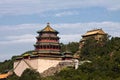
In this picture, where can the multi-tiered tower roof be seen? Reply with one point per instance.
(46, 46)
(48, 42)
(46, 56)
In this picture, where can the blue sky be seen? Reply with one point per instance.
(20, 19)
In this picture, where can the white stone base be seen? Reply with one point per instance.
(38, 64)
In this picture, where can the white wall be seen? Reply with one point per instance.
(22, 65)
(38, 64)
(44, 64)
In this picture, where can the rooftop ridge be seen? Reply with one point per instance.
(94, 30)
(48, 28)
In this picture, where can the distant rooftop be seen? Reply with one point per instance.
(94, 31)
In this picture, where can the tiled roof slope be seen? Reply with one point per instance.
(92, 32)
(48, 29)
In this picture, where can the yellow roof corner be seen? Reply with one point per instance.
(3, 76)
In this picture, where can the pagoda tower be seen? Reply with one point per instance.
(46, 56)
(47, 44)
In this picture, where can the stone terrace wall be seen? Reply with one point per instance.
(52, 70)
(45, 67)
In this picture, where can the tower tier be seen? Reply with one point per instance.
(47, 42)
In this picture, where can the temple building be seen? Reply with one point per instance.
(97, 34)
(47, 54)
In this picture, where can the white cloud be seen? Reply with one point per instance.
(5, 57)
(16, 44)
(112, 28)
(70, 38)
(27, 38)
(18, 7)
(66, 13)
(68, 31)
(19, 27)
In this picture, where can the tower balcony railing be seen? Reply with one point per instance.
(48, 49)
(48, 41)
(39, 37)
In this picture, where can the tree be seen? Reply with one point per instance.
(29, 74)
(71, 46)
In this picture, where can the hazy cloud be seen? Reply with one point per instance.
(19, 43)
(18, 27)
(22, 7)
(68, 31)
(27, 38)
(70, 38)
(66, 13)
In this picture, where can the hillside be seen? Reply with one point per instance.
(105, 58)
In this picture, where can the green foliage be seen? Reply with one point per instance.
(13, 77)
(6, 66)
(104, 55)
(71, 46)
(29, 74)
(95, 49)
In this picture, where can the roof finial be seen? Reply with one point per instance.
(48, 23)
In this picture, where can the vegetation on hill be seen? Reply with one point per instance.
(71, 46)
(29, 74)
(105, 62)
(6, 65)
(104, 55)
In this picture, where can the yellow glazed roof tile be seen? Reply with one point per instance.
(2, 76)
(96, 31)
(48, 29)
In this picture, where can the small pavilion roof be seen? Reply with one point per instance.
(48, 29)
(67, 52)
(95, 31)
